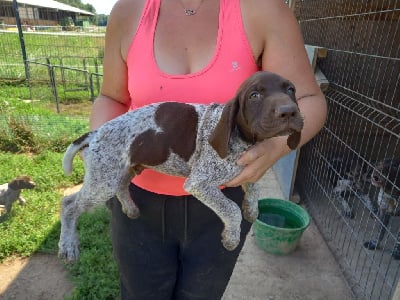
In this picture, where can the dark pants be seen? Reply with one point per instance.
(173, 250)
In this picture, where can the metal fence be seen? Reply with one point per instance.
(349, 175)
(52, 59)
(50, 48)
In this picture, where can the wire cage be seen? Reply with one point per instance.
(349, 174)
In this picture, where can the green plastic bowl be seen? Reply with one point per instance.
(280, 225)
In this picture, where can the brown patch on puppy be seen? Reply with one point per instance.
(79, 140)
(178, 122)
(22, 182)
(294, 140)
(219, 138)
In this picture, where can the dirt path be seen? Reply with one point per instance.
(41, 277)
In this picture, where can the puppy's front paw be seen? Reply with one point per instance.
(250, 204)
(349, 214)
(371, 245)
(250, 214)
(230, 239)
(396, 252)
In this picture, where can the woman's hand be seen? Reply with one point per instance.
(258, 159)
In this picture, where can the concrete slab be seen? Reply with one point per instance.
(309, 273)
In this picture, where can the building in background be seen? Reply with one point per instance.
(42, 13)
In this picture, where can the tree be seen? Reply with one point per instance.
(79, 4)
(102, 20)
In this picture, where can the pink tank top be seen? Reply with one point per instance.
(218, 82)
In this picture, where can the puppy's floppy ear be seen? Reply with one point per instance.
(219, 138)
(294, 139)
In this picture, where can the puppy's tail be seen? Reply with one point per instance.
(73, 149)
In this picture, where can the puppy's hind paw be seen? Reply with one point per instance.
(68, 253)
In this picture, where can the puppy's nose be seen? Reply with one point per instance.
(286, 111)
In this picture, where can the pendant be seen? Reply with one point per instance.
(189, 12)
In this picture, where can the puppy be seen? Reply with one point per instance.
(11, 192)
(386, 177)
(202, 144)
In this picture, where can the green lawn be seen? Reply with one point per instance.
(32, 140)
(80, 51)
(34, 132)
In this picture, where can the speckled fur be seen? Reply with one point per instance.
(109, 167)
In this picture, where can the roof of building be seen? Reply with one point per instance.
(54, 5)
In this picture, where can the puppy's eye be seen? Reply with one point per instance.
(254, 95)
(291, 90)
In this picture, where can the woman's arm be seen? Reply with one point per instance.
(283, 52)
(114, 98)
(105, 109)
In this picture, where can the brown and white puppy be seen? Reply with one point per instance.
(196, 141)
(354, 178)
(11, 191)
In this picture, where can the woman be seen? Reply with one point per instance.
(193, 51)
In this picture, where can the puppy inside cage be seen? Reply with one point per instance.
(386, 177)
(356, 182)
(354, 177)
(349, 174)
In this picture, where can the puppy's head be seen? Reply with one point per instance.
(22, 182)
(264, 107)
(386, 175)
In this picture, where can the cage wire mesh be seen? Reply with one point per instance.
(349, 174)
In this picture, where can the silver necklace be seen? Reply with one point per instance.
(191, 11)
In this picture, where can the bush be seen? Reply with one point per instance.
(18, 138)
(28, 128)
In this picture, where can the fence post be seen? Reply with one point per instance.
(53, 83)
(92, 96)
(21, 38)
(96, 66)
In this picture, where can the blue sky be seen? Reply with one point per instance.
(101, 6)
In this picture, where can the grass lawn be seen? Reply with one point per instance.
(80, 51)
(32, 141)
(33, 137)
